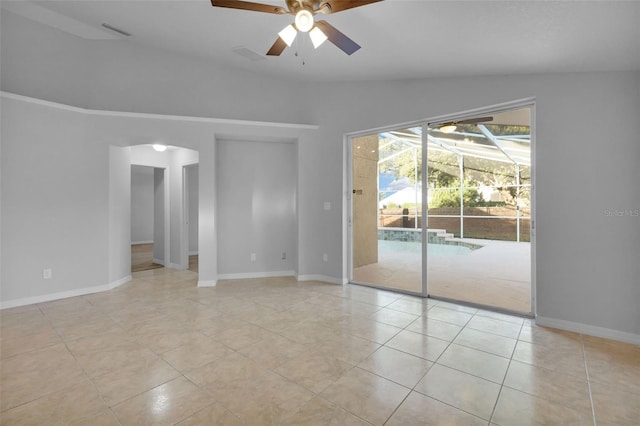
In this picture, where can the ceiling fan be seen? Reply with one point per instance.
(450, 126)
(304, 11)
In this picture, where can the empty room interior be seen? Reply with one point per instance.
(320, 212)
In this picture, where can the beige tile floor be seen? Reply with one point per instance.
(159, 350)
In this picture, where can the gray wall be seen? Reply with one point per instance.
(159, 216)
(586, 152)
(119, 229)
(44, 63)
(192, 188)
(101, 74)
(256, 187)
(141, 204)
(55, 203)
(586, 158)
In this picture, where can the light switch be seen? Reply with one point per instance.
(327, 205)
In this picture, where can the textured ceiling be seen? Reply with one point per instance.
(400, 39)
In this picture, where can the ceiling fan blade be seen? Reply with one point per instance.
(345, 44)
(475, 120)
(277, 48)
(247, 5)
(340, 5)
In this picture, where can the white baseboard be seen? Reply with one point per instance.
(257, 275)
(133, 243)
(175, 266)
(63, 294)
(590, 330)
(119, 282)
(210, 283)
(158, 261)
(324, 278)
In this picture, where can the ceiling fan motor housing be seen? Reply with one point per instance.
(297, 5)
(304, 12)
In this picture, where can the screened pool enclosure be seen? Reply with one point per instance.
(476, 174)
(478, 210)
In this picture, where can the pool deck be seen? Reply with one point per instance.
(498, 274)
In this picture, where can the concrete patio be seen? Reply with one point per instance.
(497, 274)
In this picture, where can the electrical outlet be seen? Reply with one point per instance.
(284, 256)
(253, 257)
(325, 257)
(47, 274)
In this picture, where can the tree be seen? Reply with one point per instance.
(450, 196)
(403, 165)
(444, 169)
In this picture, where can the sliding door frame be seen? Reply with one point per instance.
(348, 141)
(348, 185)
(495, 109)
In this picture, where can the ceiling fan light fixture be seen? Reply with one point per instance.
(288, 34)
(304, 12)
(317, 37)
(448, 128)
(304, 20)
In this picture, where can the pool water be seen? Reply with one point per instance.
(416, 248)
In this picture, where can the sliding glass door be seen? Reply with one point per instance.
(387, 210)
(479, 210)
(457, 228)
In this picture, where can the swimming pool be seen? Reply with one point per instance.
(416, 248)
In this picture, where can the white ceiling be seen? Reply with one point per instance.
(400, 39)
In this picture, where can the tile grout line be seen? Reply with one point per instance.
(399, 405)
(266, 303)
(413, 389)
(84, 372)
(493, 412)
(377, 349)
(451, 342)
(586, 369)
(315, 394)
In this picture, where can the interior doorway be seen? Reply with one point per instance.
(147, 218)
(458, 228)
